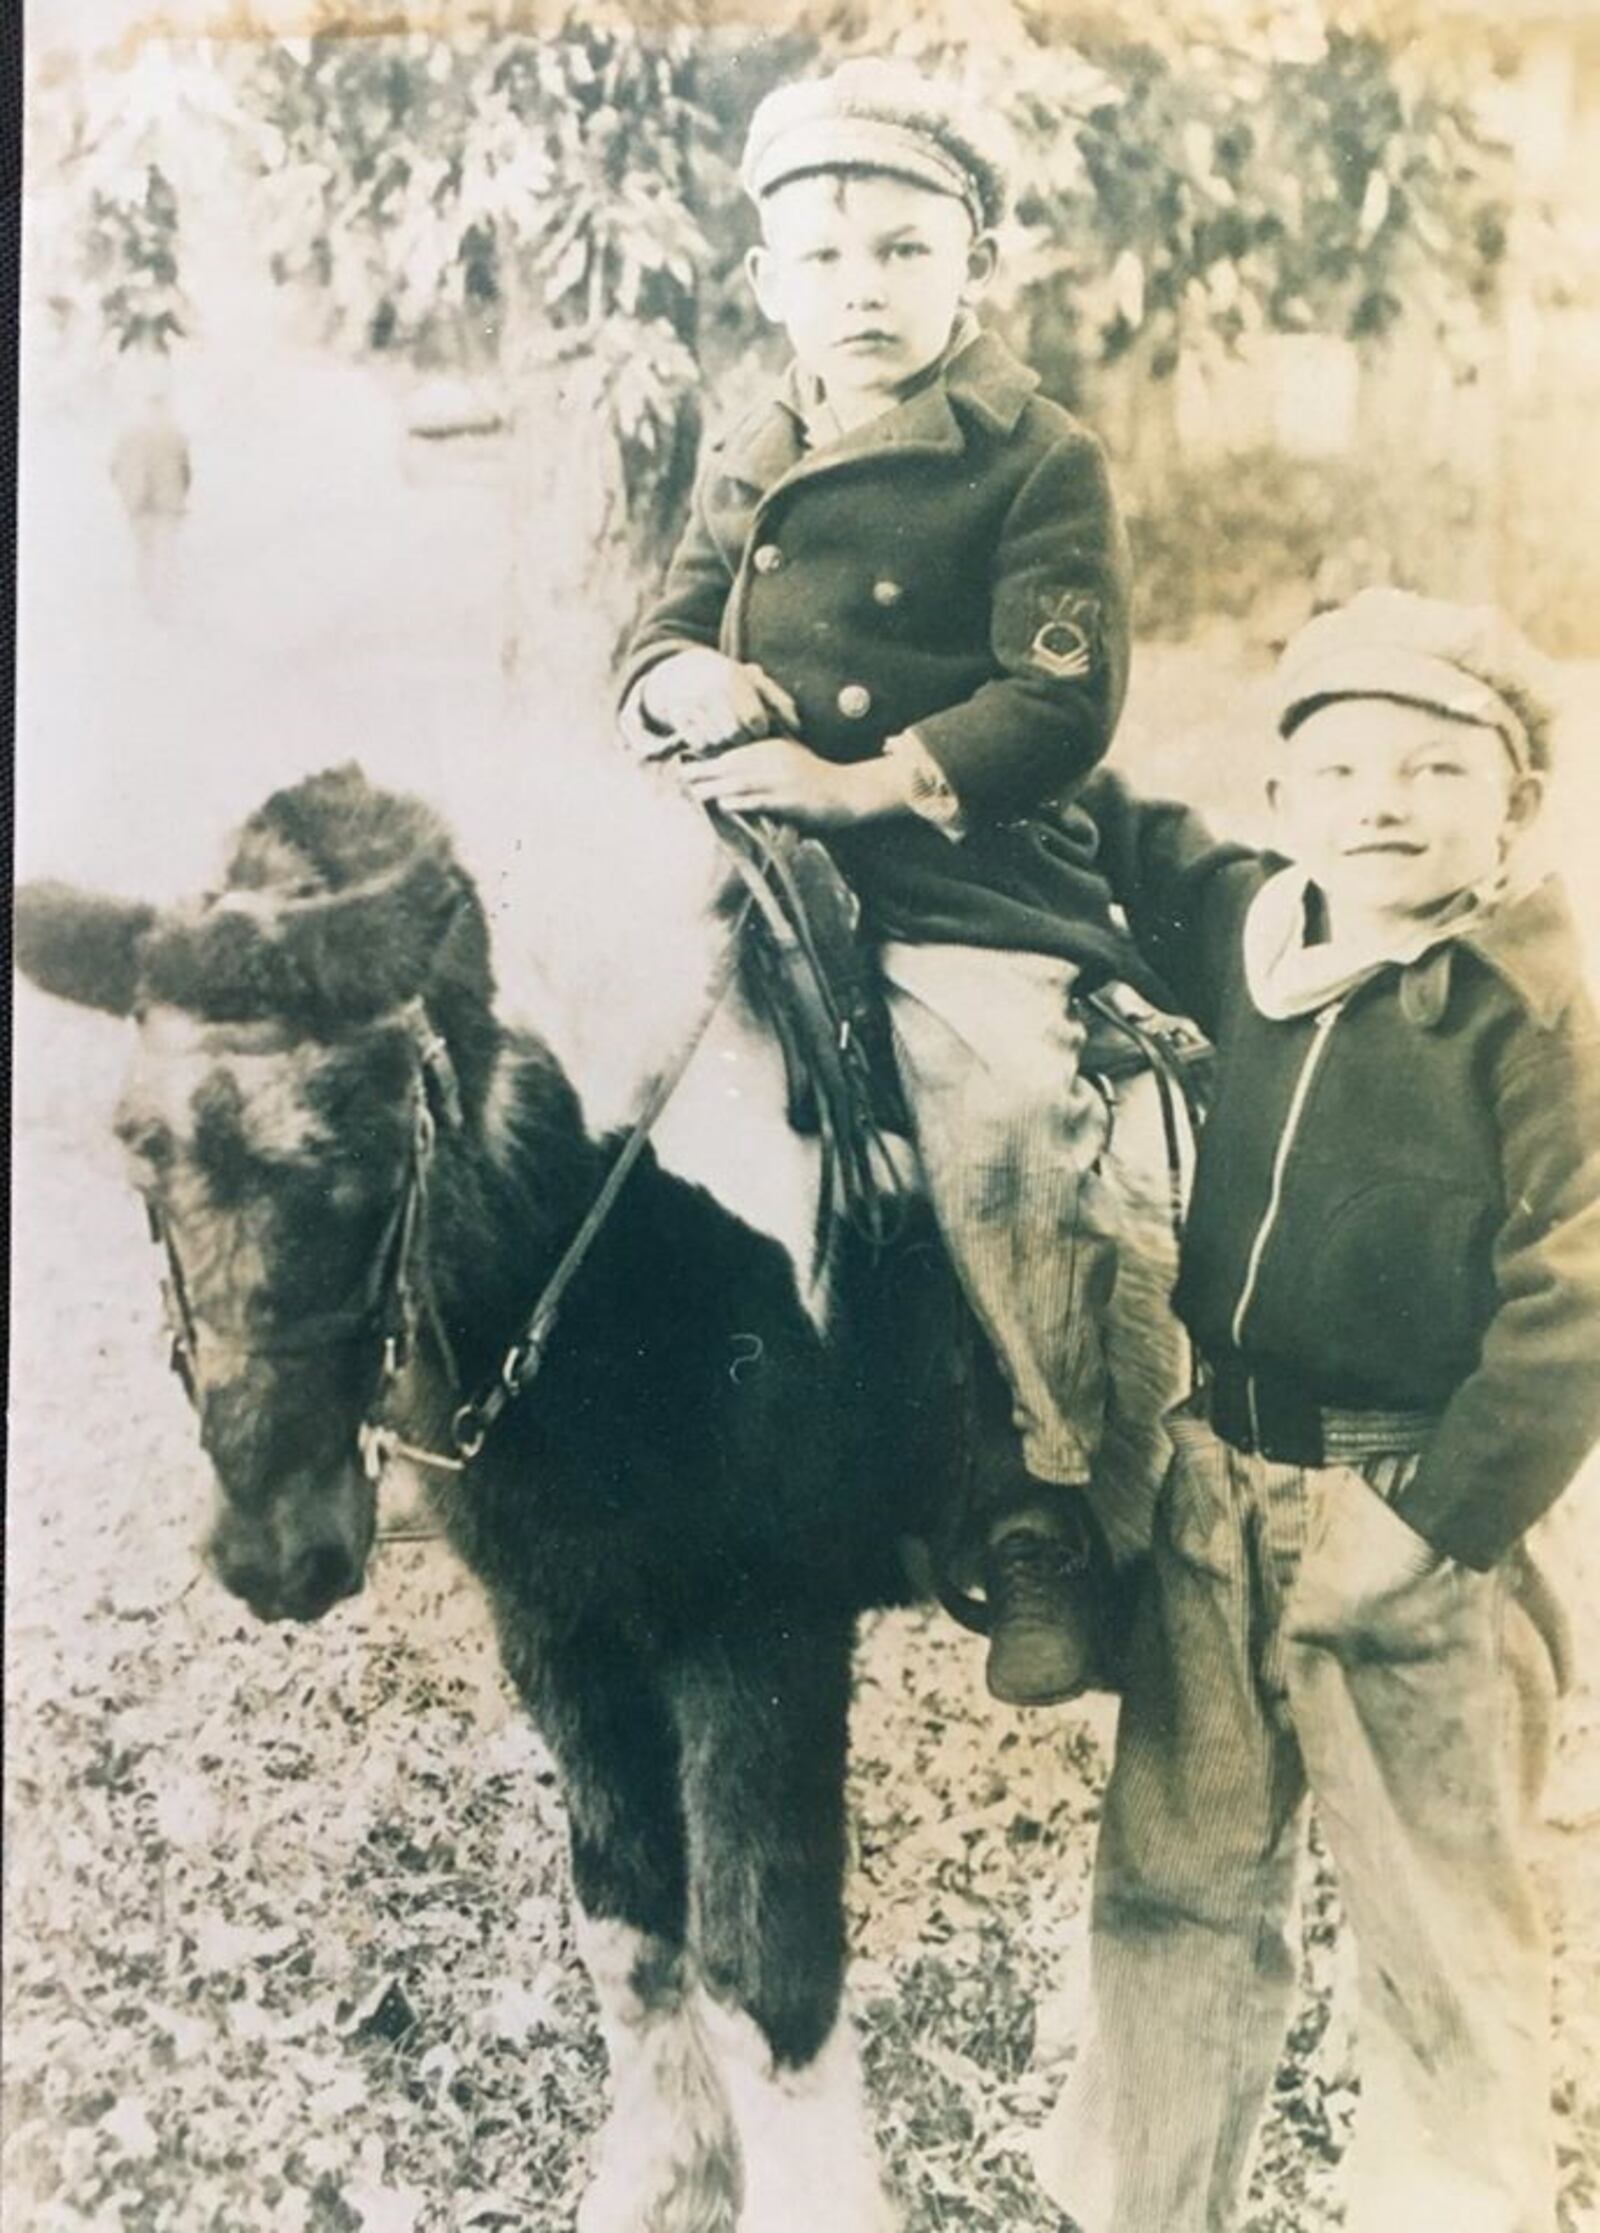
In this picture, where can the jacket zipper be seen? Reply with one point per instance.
(1326, 1019)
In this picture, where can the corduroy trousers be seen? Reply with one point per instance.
(1296, 1636)
(1054, 1202)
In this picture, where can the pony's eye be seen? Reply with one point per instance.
(147, 1140)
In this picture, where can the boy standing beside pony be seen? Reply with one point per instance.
(1391, 1275)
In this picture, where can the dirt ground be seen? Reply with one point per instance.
(286, 1939)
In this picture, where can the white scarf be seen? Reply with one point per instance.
(1289, 976)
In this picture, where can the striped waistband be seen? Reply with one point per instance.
(1266, 1414)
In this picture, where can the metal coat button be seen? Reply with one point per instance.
(854, 701)
(886, 592)
(766, 558)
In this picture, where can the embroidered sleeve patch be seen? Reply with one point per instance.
(1065, 646)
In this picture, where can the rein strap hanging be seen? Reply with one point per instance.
(520, 1365)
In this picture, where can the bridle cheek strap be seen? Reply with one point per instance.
(396, 1287)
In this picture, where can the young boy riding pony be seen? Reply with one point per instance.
(899, 618)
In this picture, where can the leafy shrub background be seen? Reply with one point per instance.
(1258, 534)
(546, 210)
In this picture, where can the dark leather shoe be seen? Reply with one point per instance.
(1046, 1618)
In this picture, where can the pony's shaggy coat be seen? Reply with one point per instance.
(676, 1526)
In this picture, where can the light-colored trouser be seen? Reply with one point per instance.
(1296, 1632)
(1056, 1216)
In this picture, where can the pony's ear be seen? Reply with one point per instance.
(79, 946)
(319, 962)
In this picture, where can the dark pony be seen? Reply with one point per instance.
(363, 1181)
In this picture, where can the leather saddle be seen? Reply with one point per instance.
(815, 982)
(812, 977)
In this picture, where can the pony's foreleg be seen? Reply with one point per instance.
(664, 2160)
(805, 2138)
(761, 1720)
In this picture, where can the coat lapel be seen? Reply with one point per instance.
(986, 380)
(753, 459)
(768, 451)
(762, 448)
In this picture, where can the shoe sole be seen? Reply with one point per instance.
(1062, 1697)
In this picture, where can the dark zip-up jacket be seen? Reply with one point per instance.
(957, 565)
(1397, 1200)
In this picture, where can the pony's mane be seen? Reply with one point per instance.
(330, 832)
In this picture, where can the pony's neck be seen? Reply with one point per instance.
(609, 933)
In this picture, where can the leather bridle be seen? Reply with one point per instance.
(395, 1293)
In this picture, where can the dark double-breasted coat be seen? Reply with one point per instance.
(956, 567)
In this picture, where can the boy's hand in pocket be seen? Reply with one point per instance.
(1362, 1559)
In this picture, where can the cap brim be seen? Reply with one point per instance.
(855, 143)
(1393, 671)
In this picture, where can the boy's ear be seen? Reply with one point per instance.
(983, 255)
(758, 270)
(1522, 807)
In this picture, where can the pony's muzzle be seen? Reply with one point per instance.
(298, 1559)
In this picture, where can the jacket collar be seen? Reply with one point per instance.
(1531, 943)
(985, 380)
(1289, 972)
(980, 380)
(1528, 939)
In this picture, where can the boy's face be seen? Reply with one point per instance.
(867, 273)
(1392, 809)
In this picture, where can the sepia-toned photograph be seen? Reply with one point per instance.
(804, 1410)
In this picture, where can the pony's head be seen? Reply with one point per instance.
(302, 1035)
